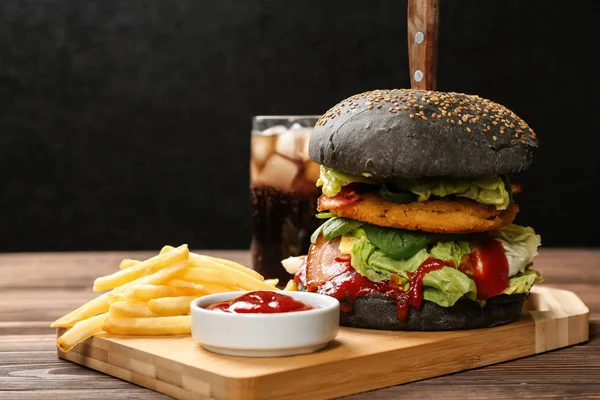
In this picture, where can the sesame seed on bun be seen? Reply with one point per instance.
(416, 133)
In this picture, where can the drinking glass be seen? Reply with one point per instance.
(283, 191)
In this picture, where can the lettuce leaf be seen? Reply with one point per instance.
(523, 282)
(520, 246)
(451, 251)
(373, 263)
(443, 287)
(332, 181)
(335, 227)
(397, 243)
(485, 190)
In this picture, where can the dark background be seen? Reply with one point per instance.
(124, 124)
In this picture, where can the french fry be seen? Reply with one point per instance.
(156, 278)
(153, 296)
(147, 292)
(234, 265)
(166, 249)
(127, 262)
(101, 303)
(238, 275)
(210, 288)
(81, 331)
(206, 288)
(211, 272)
(131, 309)
(113, 296)
(171, 305)
(177, 325)
(272, 282)
(93, 307)
(180, 283)
(198, 259)
(291, 286)
(150, 265)
(202, 275)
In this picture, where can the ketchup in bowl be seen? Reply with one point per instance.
(260, 302)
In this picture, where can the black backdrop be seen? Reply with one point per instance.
(124, 124)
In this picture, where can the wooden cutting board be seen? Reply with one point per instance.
(358, 360)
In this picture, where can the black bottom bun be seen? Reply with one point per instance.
(379, 312)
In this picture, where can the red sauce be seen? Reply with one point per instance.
(261, 302)
(329, 272)
(414, 295)
(349, 285)
(488, 267)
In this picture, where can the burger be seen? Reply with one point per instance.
(418, 208)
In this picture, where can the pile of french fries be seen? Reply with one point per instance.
(153, 296)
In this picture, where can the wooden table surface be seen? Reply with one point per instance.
(36, 288)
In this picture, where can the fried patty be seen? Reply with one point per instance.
(452, 215)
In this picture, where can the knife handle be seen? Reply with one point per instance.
(423, 34)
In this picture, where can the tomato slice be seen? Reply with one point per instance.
(488, 268)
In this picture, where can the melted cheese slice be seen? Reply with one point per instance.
(346, 243)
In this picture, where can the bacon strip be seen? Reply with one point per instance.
(344, 198)
(322, 263)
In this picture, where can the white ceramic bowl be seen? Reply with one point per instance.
(265, 335)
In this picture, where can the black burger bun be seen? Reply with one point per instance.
(407, 133)
(379, 312)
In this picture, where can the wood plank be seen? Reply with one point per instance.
(522, 390)
(130, 392)
(564, 266)
(568, 372)
(588, 293)
(50, 373)
(571, 372)
(41, 304)
(24, 327)
(553, 374)
(30, 368)
(26, 343)
(358, 360)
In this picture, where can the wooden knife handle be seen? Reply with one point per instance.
(423, 33)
